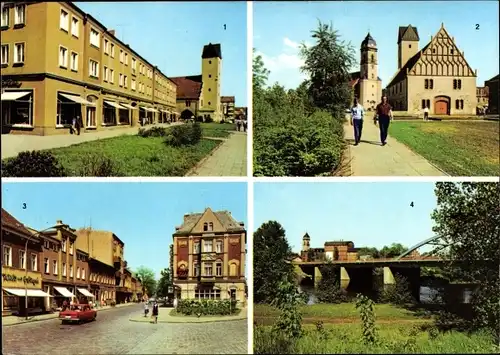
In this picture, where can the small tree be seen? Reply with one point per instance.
(398, 293)
(367, 314)
(329, 290)
(288, 300)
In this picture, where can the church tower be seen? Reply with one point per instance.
(306, 242)
(370, 85)
(407, 44)
(211, 64)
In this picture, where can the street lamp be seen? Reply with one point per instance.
(26, 263)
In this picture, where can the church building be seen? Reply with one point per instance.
(436, 76)
(198, 96)
(366, 84)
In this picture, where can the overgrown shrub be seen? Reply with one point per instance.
(398, 293)
(209, 119)
(207, 307)
(367, 314)
(329, 290)
(182, 135)
(288, 299)
(33, 164)
(98, 166)
(152, 132)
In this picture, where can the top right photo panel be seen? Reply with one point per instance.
(406, 88)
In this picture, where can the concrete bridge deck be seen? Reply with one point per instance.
(375, 262)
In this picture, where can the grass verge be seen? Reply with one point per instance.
(217, 130)
(458, 148)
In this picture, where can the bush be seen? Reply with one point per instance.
(398, 293)
(199, 119)
(186, 134)
(329, 290)
(98, 166)
(206, 307)
(152, 132)
(209, 119)
(33, 164)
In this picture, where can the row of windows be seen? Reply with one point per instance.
(459, 104)
(18, 53)
(210, 268)
(19, 15)
(429, 84)
(208, 247)
(80, 272)
(94, 277)
(7, 259)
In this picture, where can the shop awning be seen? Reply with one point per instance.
(85, 292)
(77, 99)
(128, 106)
(111, 103)
(31, 292)
(164, 111)
(13, 95)
(149, 109)
(64, 291)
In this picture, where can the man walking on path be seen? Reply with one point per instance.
(357, 115)
(426, 113)
(384, 116)
(155, 312)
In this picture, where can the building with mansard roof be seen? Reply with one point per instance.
(436, 76)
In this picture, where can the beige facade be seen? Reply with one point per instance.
(209, 257)
(61, 64)
(227, 108)
(437, 76)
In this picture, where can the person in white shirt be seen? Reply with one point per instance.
(426, 113)
(357, 115)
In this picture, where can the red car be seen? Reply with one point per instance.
(78, 313)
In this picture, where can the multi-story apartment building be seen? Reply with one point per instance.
(60, 64)
(65, 271)
(227, 103)
(15, 283)
(209, 257)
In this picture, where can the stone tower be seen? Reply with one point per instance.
(211, 65)
(407, 44)
(306, 242)
(370, 89)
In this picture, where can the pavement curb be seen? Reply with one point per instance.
(188, 322)
(54, 317)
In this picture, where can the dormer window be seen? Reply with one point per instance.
(205, 226)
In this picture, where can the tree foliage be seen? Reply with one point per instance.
(147, 277)
(260, 73)
(467, 219)
(271, 261)
(329, 290)
(327, 64)
(392, 251)
(164, 283)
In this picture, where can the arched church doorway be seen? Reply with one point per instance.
(186, 114)
(442, 105)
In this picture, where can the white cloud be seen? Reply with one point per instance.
(288, 42)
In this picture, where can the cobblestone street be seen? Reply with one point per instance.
(113, 333)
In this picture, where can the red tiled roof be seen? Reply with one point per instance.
(188, 87)
(9, 221)
(227, 99)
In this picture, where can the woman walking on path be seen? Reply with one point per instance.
(146, 308)
(384, 116)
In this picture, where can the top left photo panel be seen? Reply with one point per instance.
(122, 89)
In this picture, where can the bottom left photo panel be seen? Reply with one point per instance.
(124, 267)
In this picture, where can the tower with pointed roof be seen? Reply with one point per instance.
(370, 85)
(407, 44)
(306, 242)
(211, 65)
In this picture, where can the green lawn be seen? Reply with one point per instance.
(135, 156)
(458, 148)
(217, 130)
(339, 311)
(393, 338)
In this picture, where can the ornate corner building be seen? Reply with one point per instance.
(437, 76)
(209, 257)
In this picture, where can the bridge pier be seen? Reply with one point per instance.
(317, 276)
(344, 278)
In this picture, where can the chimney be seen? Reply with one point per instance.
(111, 32)
(186, 216)
(59, 222)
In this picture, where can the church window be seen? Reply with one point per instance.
(428, 103)
(373, 76)
(209, 89)
(459, 82)
(373, 58)
(454, 84)
(209, 103)
(433, 50)
(209, 62)
(461, 104)
(423, 103)
(431, 84)
(209, 75)
(426, 83)
(451, 51)
(409, 46)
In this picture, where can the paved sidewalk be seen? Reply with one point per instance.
(13, 144)
(370, 158)
(15, 320)
(165, 317)
(229, 159)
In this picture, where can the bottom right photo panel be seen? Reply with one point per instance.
(376, 267)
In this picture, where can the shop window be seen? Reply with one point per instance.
(67, 110)
(109, 114)
(124, 116)
(20, 111)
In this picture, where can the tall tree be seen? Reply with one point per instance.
(271, 261)
(260, 73)
(467, 219)
(147, 277)
(164, 283)
(392, 251)
(327, 64)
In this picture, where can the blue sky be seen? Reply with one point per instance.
(368, 214)
(171, 35)
(142, 215)
(279, 27)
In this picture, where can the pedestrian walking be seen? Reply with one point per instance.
(155, 312)
(384, 117)
(244, 125)
(357, 115)
(78, 124)
(426, 113)
(175, 302)
(146, 308)
(238, 125)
